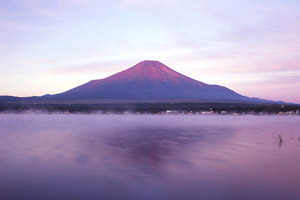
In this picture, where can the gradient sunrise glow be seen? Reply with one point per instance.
(50, 46)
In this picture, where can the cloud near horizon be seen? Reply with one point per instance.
(252, 47)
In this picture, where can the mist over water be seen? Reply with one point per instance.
(149, 157)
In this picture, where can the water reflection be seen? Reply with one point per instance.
(156, 145)
(150, 157)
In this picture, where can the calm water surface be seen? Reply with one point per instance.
(149, 157)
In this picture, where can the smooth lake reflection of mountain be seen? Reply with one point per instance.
(149, 157)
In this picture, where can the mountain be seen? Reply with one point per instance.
(147, 81)
(150, 81)
(9, 99)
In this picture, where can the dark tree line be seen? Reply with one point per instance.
(149, 108)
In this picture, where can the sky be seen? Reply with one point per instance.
(249, 46)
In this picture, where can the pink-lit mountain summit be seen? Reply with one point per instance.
(147, 81)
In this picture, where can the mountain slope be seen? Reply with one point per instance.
(150, 80)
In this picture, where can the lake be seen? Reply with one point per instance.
(135, 157)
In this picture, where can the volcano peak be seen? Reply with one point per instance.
(150, 62)
(151, 80)
(149, 70)
(146, 64)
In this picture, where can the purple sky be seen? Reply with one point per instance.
(250, 46)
